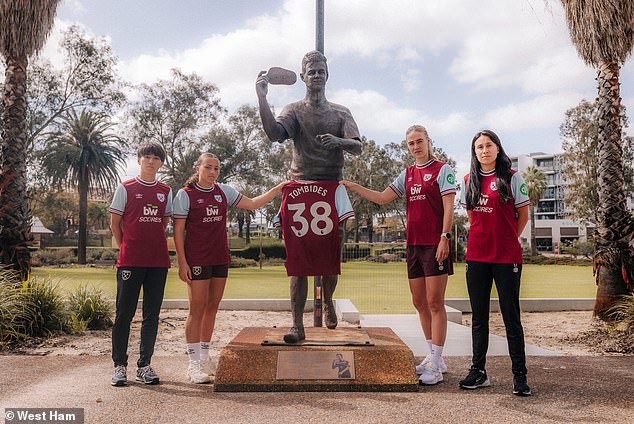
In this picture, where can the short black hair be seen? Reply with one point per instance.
(151, 148)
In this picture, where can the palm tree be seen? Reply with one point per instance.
(86, 155)
(24, 29)
(603, 33)
(536, 183)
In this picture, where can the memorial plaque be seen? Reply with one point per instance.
(307, 365)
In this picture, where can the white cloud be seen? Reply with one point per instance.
(411, 80)
(539, 112)
(375, 113)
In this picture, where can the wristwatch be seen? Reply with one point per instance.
(446, 235)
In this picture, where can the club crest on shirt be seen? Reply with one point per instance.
(197, 270)
(427, 177)
(218, 198)
(160, 197)
(493, 185)
(126, 274)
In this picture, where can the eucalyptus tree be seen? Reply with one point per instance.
(175, 113)
(603, 34)
(536, 183)
(85, 154)
(25, 27)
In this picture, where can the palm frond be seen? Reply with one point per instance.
(602, 31)
(25, 25)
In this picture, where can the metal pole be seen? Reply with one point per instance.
(319, 46)
(319, 27)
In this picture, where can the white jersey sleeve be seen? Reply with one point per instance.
(343, 204)
(519, 190)
(446, 180)
(119, 200)
(169, 207)
(398, 185)
(233, 195)
(181, 204)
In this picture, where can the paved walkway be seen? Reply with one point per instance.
(458, 337)
(566, 389)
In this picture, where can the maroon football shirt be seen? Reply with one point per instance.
(310, 225)
(144, 243)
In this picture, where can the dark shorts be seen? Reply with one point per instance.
(421, 262)
(209, 271)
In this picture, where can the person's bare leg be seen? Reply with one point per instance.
(299, 293)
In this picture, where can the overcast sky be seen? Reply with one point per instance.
(455, 66)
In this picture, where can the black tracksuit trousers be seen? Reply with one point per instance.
(480, 276)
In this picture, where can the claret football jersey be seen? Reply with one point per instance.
(310, 215)
(143, 206)
(424, 187)
(493, 234)
(205, 211)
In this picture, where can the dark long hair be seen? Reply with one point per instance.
(194, 178)
(503, 172)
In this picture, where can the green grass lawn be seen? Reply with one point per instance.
(372, 287)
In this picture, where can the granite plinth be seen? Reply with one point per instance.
(385, 365)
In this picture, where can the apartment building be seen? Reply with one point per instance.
(552, 225)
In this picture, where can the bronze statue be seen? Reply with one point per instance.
(321, 131)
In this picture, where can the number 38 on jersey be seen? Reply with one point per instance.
(316, 219)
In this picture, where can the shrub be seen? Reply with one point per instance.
(49, 312)
(109, 255)
(47, 257)
(253, 252)
(356, 252)
(89, 309)
(237, 262)
(14, 311)
(623, 312)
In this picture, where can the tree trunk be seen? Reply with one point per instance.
(240, 219)
(83, 213)
(15, 215)
(247, 230)
(534, 252)
(370, 224)
(613, 259)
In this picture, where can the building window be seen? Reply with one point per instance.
(545, 163)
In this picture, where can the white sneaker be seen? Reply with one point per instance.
(196, 374)
(431, 375)
(421, 367)
(209, 365)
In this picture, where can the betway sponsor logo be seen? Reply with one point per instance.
(482, 205)
(150, 214)
(150, 210)
(212, 210)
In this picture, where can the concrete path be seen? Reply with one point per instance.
(566, 390)
(458, 337)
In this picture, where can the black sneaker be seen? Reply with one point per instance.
(520, 386)
(476, 378)
(147, 375)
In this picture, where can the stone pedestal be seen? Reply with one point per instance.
(372, 359)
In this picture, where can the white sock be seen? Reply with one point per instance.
(193, 351)
(429, 345)
(204, 351)
(436, 354)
